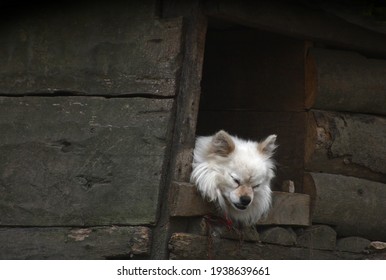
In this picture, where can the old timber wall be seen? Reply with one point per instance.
(99, 105)
(86, 110)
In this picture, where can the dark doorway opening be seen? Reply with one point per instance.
(253, 86)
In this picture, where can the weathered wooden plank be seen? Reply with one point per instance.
(242, 67)
(345, 81)
(347, 144)
(186, 201)
(298, 20)
(181, 245)
(288, 126)
(355, 207)
(81, 160)
(115, 48)
(189, 86)
(287, 208)
(74, 243)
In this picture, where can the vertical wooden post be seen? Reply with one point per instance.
(186, 109)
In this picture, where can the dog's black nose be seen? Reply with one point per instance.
(245, 200)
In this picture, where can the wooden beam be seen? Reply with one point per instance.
(355, 207)
(345, 81)
(189, 85)
(186, 201)
(287, 208)
(298, 20)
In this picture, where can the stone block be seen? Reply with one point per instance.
(317, 237)
(278, 235)
(352, 244)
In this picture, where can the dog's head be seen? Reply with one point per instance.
(245, 165)
(236, 173)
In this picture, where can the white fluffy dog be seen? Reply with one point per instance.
(236, 174)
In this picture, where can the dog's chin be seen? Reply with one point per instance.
(239, 206)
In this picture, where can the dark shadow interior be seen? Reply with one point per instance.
(253, 86)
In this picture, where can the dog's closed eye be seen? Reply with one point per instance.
(237, 181)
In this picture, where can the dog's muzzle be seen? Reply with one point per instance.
(244, 202)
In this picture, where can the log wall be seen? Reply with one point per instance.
(98, 114)
(86, 110)
(345, 143)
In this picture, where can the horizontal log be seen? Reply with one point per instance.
(74, 243)
(347, 144)
(181, 245)
(298, 20)
(345, 81)
(355, 207)
(132, 52)
(287, 208)
(81, 161)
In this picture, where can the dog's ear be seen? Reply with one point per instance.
(268, 146)
(222, 144)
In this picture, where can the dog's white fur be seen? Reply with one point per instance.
(230, 171)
